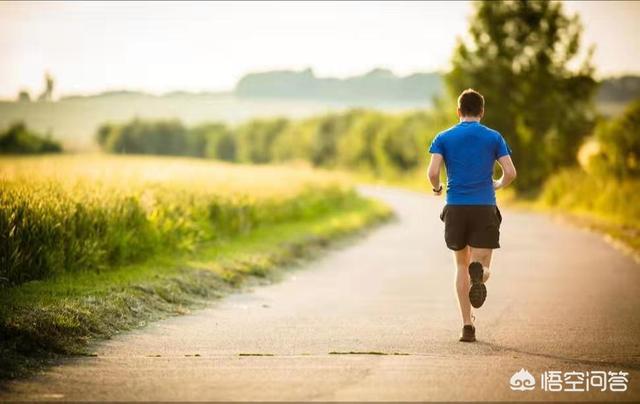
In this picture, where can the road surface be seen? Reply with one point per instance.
(377, 320)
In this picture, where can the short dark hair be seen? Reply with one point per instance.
(470, 102)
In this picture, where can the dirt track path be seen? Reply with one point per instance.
(560, 299)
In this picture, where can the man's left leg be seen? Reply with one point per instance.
(479, 272)
(462, 283)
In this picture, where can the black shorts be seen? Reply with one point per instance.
(474, 225)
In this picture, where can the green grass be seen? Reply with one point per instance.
(41, 320)
(70, 214)
(604, 204)
(50, 232)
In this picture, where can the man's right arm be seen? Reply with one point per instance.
(508, 172)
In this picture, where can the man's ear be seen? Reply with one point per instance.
(459, 113)
(482, 113)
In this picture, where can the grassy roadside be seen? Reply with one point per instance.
(603, 204)
(72, 213)
(42, 320)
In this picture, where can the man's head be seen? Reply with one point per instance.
(470, 104)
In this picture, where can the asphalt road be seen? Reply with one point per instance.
(377, 320)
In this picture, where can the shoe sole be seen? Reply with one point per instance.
(478, 291)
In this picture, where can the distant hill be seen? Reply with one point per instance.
(383, 85)
(620, 89)
(75, 119)
(378, 84)
(616, 92)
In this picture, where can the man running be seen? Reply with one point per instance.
(471, 218)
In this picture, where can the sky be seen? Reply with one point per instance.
(207, 46)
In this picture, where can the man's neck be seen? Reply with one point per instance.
(469, 119)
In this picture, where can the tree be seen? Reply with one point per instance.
(294, 143)
(219, 144)
(619, 144)
(165, 137)
(518, 57)
(256, 138)
(47, 94)
(24, 96)
(329, 129)
(356, 146)
(104, 132)
(18, 139)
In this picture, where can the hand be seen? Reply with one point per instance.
(437, 192)
(497, 184)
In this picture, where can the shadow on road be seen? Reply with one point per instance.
(501, 348)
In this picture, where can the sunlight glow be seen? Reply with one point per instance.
(208, 46)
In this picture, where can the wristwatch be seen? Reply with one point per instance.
(437, 190)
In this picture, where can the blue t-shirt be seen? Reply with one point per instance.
(470, 151)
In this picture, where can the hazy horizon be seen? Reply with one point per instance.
(12, 97)
(159, 48)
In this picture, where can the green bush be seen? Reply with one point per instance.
(255, 139)
(147, 137)
(326, 133)
(220, 143)
(295, 142)
(615, 200)
(356, 144)
(619, 144)
(17, 139)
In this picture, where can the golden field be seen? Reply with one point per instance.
(75, 213)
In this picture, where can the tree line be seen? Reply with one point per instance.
(372, 141)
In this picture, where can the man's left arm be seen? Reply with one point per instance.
(434, 172)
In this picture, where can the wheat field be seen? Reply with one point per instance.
(72, 213)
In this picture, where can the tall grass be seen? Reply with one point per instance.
(603, 197)
(89, 213)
